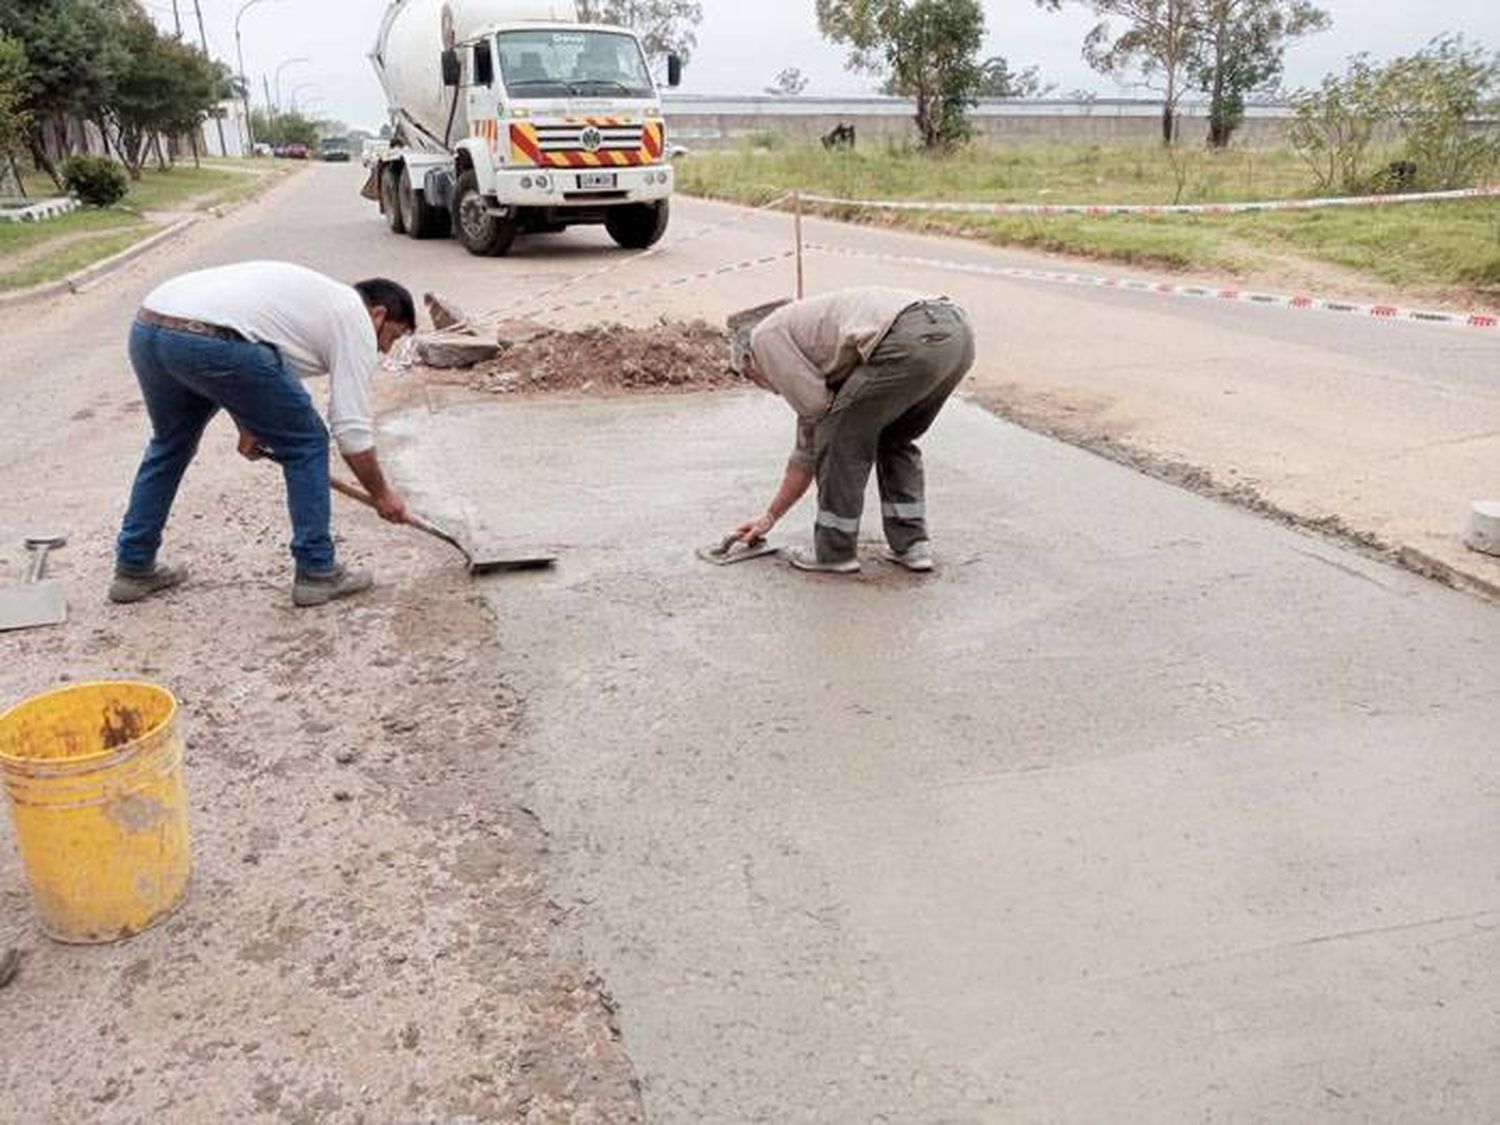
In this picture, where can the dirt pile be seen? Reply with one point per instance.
(668, 356)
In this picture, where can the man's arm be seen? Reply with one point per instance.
(388, 502)
(795, 482)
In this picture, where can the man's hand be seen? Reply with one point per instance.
(758, 528)
(250, 448)
(391, 505)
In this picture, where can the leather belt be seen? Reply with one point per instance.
(191, 327)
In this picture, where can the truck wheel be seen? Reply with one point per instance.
(420, 218)
(389, 181)
(486, 235)
(636, 226)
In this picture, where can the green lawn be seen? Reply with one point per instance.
(32, 253)
(1415, 246)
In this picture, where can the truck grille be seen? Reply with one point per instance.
(587, 143)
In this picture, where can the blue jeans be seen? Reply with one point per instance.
(186, 379)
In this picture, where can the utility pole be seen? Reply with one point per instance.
(203, 38)
(270, 109)
(177, 19)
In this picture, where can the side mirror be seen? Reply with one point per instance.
(484, 65)
(674, 70)
(452, 72)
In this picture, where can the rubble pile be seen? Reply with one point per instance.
(668, 356)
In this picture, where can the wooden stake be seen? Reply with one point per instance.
(797, 210)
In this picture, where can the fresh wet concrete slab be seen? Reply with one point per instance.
(1140, 808)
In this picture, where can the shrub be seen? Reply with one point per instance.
(1434, 101)
(96, 180)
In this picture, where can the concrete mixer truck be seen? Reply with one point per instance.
(510, 117)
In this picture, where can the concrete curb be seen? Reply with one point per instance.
(79, 281)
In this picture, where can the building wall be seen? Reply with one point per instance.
(705, 122)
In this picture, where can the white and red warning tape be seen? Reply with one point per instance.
(536, 306)
(1171, 289)
(673, 283)
(1150, 208)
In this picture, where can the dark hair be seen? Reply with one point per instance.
(383, 293)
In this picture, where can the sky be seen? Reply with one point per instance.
(742, 45)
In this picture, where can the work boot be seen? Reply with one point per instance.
(804, 559)
(917, 557)
(133, 585)
(320, 589)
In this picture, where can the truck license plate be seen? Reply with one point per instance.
(596, 181)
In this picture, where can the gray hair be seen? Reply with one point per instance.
(742, 326)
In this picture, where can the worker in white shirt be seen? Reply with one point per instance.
(240, 338)
(867, 371)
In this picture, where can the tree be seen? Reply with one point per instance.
(1437, 97)
(284, 128)
(1434, 101)
(789, 83)
(1158, 43)
(1241, 48)
(665, 26)
(1332, 127)
(74, 51)
(928, 50)
(999, 81)
(14, 116)
(168, 88)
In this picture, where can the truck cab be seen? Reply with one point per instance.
(545, 124)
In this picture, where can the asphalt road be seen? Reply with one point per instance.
(1141, 808)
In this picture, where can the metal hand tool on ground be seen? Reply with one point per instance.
(733, 549)
(35, 603)
(485, 563)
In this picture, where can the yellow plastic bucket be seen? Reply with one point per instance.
(94, 776)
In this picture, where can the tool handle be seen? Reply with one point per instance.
(38, 561)
(414, 520)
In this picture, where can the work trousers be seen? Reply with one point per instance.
(186, 379)
(877, 415)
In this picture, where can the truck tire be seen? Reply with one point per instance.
(636, 226)
(486, 235)
(420, 218)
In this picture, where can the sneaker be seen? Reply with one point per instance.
(133, 585)
(917, 557)
(320, 589)
(805, 560)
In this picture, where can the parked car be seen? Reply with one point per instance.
(296, 152)
(263, 149)
(334, 149)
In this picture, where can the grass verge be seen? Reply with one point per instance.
(35, 253)
(1448, 248)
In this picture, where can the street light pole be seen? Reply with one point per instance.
(277, 80)
(203, 38)
(239, 54)
(292, 97)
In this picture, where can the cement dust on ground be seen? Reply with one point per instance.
(367, 936)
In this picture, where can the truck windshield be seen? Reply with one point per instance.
(595, 64)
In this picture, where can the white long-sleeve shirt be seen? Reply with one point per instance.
(319, 325)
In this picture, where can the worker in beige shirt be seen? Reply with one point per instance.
(867, 370)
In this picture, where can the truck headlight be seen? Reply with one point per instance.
(525, 183)
(543, 182)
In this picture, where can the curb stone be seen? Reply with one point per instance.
(81, 280)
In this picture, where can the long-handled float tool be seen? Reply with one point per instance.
(733, 549)
(486, 563)
(34, 602)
